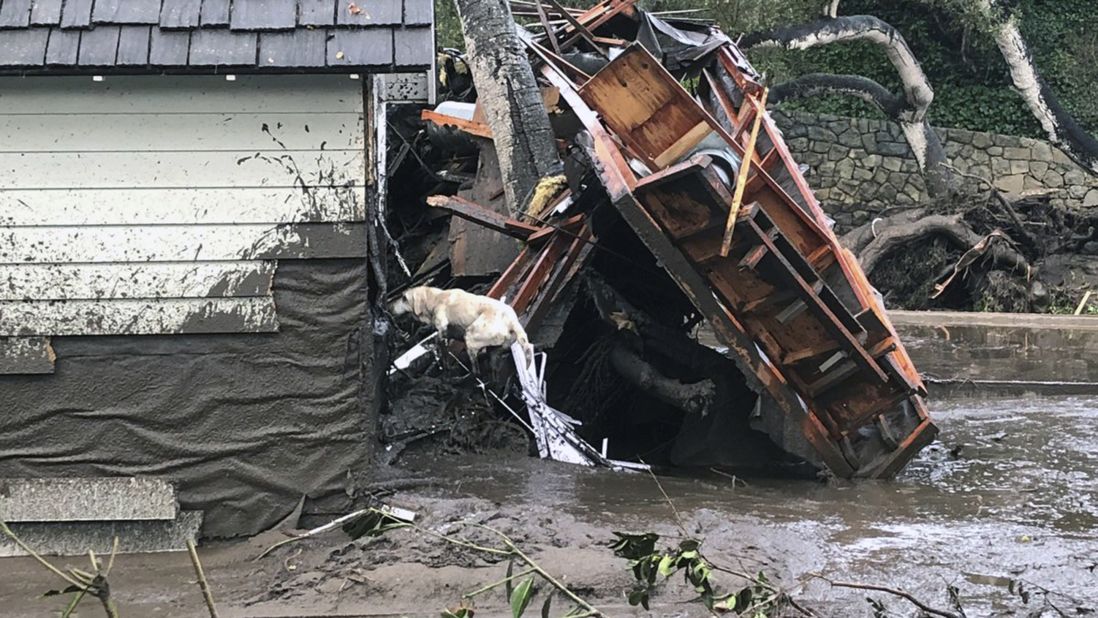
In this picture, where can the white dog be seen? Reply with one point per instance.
(485, 321)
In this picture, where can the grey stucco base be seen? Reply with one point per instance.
(76, 538)
(86, 499)
(242, 424)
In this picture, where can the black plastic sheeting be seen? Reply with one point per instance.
(244, 424)
(679, 46)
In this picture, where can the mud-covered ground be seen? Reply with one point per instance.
(1011, 493)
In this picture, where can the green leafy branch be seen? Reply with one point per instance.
(758, 599)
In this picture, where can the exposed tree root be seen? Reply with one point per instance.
(891, 237)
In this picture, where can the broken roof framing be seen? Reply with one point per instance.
(792, 306)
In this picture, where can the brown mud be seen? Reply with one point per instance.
(1011, 494)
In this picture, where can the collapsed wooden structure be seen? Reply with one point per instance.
(705, 180)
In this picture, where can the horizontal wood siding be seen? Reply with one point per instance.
(154, 206)
(137, 316)
(160, 205)
(168, 243)
(46, 132)
(177, 170)
(130, 280)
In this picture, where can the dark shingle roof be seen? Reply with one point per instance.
(134, 36)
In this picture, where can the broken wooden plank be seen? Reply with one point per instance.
(741, 179)
(471, 211)
(471, 127)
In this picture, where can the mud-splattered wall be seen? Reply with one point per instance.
(858, 167)
(156, 205)
(183, 289)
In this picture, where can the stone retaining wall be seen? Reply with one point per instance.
(858, 167)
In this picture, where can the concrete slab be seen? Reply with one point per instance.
(86, 499)
(1043, 321)
(76, 538)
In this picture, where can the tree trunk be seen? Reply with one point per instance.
(1058, 124)
(908, 111)
(510, 98)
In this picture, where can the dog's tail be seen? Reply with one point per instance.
(519, 333)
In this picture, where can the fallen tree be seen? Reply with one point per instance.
(510, 98)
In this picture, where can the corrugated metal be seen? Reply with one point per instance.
(159, 205)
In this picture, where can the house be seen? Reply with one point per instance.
(184, 197)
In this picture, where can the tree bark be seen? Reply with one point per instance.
(508, 93)
(909, 111)
(1058, 124)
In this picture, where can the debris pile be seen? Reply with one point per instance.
(656, 240)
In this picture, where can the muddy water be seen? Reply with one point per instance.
(1010, 491)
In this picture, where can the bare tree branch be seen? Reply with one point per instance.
(909, 112)
(910, 598)
(814, 84)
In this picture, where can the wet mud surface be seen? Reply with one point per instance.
(1010, 492)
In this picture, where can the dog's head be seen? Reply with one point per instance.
(402, 304)
(413, 300)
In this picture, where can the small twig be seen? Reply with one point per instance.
(540, 571)
(463, 542)
(332, 525)
(110, 560)
(18, 541)
(716, 567)
(202, 583)
(1003, 202)
(893, 591)
(667, 498)
(494, 585)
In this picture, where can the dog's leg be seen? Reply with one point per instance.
(474, 355)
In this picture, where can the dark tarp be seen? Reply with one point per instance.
(244, 424)
(678, 47)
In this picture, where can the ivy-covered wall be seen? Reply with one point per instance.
(859, 167)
